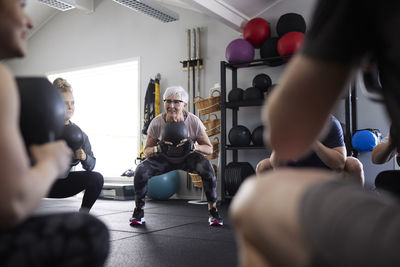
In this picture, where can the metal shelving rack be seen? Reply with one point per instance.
(350, 113)
(234, 106)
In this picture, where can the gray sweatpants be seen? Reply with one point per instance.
(349, 226)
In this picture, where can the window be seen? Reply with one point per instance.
(107, 109)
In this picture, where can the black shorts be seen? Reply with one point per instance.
(349, 226)
(63, 240)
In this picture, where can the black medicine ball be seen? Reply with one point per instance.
(239, 136)
(257, 136)
(174, 132)
(73, 135)
(42, 111)
(235, 94)
(269, 49)
(262, 82)
(290, 22)
(253, 93)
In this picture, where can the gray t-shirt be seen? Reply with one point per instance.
(195, 126)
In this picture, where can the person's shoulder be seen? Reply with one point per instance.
(155, 120)
(335, 122)
(192, 116)
(156, 123)
(333, 118)
(76, 125)
(193, 119)
(158, 117)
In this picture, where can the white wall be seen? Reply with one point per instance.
(113, 32)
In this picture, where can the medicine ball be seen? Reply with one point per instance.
(364, 140)
(239, 50)
(42, 111)
(73, 135)
(269, 49)
(290, 43)
(262, 81)
(174, 132)
(257, 136)
(235, 94)
(239, 136)
(256, 31)
(175, 142)
(290, 22)
(253, 93)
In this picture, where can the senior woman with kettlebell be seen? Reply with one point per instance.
(176, 140)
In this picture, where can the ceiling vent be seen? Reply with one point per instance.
(151, 9)
(64, 5)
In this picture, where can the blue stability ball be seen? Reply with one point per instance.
(364, 140)
(162, 187)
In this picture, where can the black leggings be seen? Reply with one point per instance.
(69, 239)
(156, 165)
(91, 182)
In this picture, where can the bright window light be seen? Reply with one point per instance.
(107, 109)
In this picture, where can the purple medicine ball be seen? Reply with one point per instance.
(239, 50)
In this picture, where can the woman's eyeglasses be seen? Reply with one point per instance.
(169, 101)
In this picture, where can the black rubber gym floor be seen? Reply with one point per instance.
(176, 233)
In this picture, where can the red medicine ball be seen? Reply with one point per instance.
(290, 43)
(256, 31)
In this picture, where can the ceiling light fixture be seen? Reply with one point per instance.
(64, 5)
(150, 8)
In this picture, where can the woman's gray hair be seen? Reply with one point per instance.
(176, 90)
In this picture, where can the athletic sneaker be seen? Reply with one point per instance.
(213, 217)
(137, 217)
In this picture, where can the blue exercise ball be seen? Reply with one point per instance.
(162, 187)
(364, 140)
